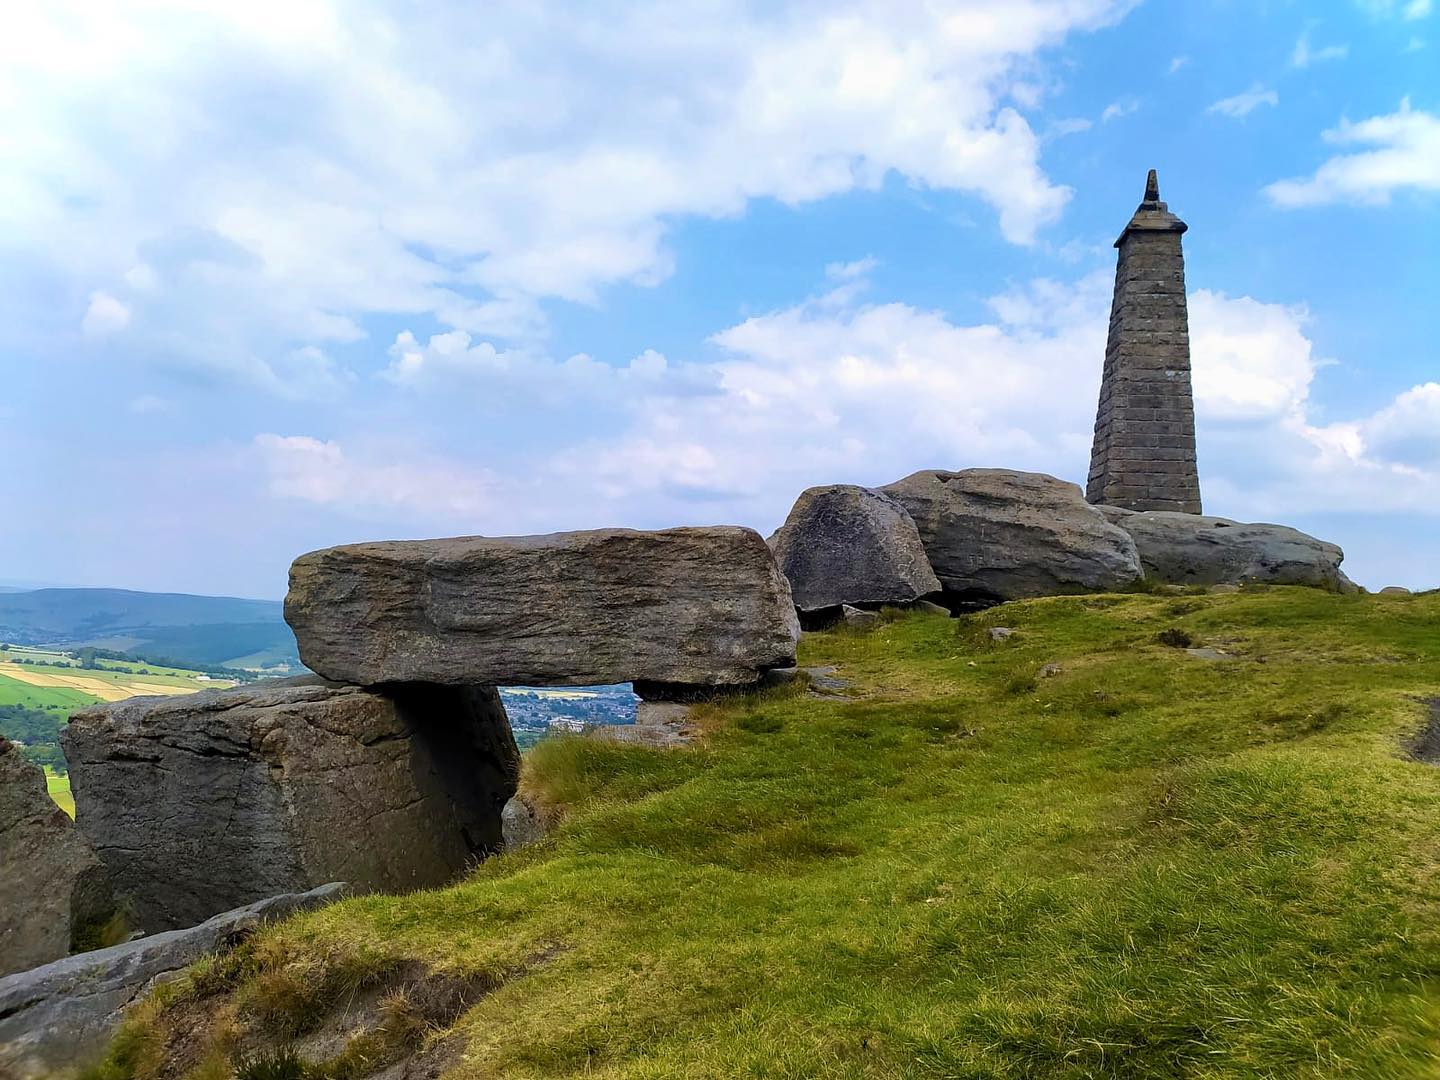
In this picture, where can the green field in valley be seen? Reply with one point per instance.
(1081, 852)
(40, 688)
(14, 692)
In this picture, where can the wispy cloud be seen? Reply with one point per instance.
(105, 315)
(1071, 125)
(1303, 55)
(1178, 62)
(1116, 109)
(1409, 10)
(1246, 102)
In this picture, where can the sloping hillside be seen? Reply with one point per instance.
(1081, 851)
(193, 629)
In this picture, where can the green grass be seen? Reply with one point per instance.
(15, 692)
(1146, 865)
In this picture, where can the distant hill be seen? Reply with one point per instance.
(195, 629)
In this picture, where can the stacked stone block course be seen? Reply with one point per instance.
(1144, 450)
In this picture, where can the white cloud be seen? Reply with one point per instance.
(1408, 10)
(1117, 109)
(1178, 62)
(529, 378)
(1071, 125)
(1254, 361)
(104, 315)
(311, 470)
(1406, 154)
(142, 278)
(1246, 102)
(863, 392)
(1406, 433)
(283, 174)
(1303, 55)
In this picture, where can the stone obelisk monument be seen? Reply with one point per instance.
(1144, 451)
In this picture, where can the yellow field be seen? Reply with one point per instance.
(59, 788)
(103, 689)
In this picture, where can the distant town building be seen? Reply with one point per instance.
(1144, 451)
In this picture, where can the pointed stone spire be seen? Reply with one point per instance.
(1144, 451)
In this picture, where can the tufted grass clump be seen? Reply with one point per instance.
(1077, 853)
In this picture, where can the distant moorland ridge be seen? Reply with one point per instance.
(178, 626)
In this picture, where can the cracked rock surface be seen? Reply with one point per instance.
(998, 534)
(57, 1016)
(692, 606)
(203, 803)
(1191, 549)
(51, 883)
(844, 544)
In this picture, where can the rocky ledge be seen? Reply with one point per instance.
(202, 803)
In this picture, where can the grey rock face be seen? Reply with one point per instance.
(1190, 549)
(59, 1016)
(995, 534)
(51, 883)
(202, 803)
(701, 606)
(520, 823)
(849, 545)
(858, 617)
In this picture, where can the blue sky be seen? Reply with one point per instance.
(275, 276)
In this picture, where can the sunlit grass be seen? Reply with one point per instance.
(1079, 852)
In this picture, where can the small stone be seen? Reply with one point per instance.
(1001, 633)
(823, 680)
(781, 676)
(1049, 671)
(520, 823)
(858, 617)
(656, 736)
(1395, 590)
(654, 713)
(926, 607)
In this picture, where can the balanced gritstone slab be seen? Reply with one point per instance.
(692, 606)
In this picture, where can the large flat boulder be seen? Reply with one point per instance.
(60, 1016)
(1192, 549)
(202, 803)
(692, 606)
(52, 886)
(994, 534)
(844, 544)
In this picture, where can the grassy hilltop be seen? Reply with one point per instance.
(1142, 864)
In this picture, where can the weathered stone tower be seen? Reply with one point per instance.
(1144, 452)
